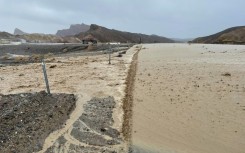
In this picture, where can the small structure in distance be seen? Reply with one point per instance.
(89, 39)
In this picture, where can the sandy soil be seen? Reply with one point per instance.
(189, 99)
(86, 77)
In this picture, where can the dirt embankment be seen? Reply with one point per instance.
(27, 119)
(128, 99)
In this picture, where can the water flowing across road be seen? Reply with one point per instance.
(189, 99)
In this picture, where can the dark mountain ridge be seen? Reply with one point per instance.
(103, 34)
(5, 35)
(99, 33)
(18, 32)
(234, 35)
(73, 30)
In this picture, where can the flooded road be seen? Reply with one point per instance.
(189, 99)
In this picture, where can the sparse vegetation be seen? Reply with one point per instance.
(21, 59)
(49, 55)
(36, 57)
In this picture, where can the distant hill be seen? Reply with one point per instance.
(5, 35)
(180, 40)
(18, 32)
(235, 35)
(38, 38)
(47, 38)
(103, 34)
(74, 35)
(43, 38)
(73, 30)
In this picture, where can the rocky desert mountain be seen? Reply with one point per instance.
(234, 35)
(73, 30)
(43, 38)
(18, 32)
(47, 38)
(100, 33)
(38, 38)
(5, 35)
(103, 34)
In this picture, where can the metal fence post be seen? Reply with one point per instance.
(109, 58)
(110, 54)
(45, 76)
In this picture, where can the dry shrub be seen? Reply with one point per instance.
(65, 50)
(5, 57)
(49, 55)
(21, 59)
(50, 60)
(37, 57)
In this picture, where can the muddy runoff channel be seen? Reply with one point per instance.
(38, 122)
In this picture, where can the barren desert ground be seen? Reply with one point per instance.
(189, 99)
(87, 77)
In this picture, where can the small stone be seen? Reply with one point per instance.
(103, 130)
(227, 74)
(53, 66)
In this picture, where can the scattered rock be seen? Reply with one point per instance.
(227, 74)
(65, 50)
(124, 52)
(119, 55)
(53, 66)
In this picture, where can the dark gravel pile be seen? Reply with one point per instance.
(98, 117)
(27, 119)
(92, 128)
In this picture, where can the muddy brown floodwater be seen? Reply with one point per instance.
(189, 99)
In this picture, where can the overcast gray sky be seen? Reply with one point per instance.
(170, 18)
